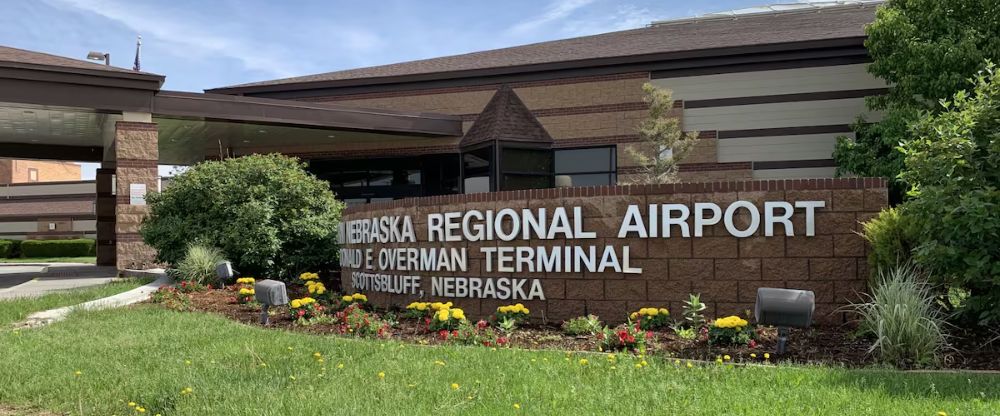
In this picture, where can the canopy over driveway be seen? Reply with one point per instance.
(53, 107)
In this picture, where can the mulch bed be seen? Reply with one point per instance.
(819, 345)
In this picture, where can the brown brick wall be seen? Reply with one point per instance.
(577, 112)
(724, 269)
(17, 171)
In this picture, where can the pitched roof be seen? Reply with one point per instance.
(505, 118)
(15, 56)
(684, 36)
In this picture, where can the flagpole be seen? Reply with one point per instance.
(138, 48)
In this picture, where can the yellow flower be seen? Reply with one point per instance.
(317, 354)
(296, 303)
(767, 356)
(131, 404)
(78, 373)
(340, 365)
(644, 363)
(689, 365)
(726, 357)
(346, 298)
(753, 355)
(442, 315)
(942, 413)
(583, 361)
(633, 315)
(458, 314)
(454, 386)
(517, 405)
(381, 375)
(664, 311)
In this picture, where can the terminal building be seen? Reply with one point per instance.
(768, 93)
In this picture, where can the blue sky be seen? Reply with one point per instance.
(214, 43)
(205, 44)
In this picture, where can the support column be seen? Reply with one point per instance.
(137, 157)
(105, 211)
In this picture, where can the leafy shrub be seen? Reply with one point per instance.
(902, 315)
(686, 333)
(189, 286)
(172, 298)
(10, 249)
(80, 247)
(265, 212)
(731, 330)
(890, 237)
(198, 264)
(6, 249)
(582, 325)
(625, 337)
(692, 311)
(953, 164)
(651, 318)
(358, 299)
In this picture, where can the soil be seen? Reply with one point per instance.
(819, 345)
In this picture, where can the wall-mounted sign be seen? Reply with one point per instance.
(376, 269)
(137, 194)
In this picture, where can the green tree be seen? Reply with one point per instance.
(925, 49)
(265, 212)
(664, 144)
(953, 166)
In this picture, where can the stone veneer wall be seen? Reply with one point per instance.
(137, 155)
(724, 269)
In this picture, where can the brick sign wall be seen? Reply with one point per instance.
(724, 267)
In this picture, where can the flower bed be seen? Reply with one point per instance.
(818, 345)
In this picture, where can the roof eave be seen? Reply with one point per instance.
(551, 66)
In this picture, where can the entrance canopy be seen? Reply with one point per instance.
(53, 107)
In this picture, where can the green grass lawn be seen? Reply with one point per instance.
(15, 310)
(150, 356)
(88, 260)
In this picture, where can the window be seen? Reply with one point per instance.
(476, 167)
(586, 167)
(32, 175)
(526, 168)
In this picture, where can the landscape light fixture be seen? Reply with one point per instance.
(100, 56)
(269, 293)
(784, 308)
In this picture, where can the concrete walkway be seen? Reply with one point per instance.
(136, 295)
(33, 280)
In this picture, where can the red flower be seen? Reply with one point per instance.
(502, 341)
(649, 334)
(486, 343)
(301, 312)
(753, 344)
(443, 334)
(482, 324)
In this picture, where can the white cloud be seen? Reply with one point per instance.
(625, 17)
(558, 10)
(191, 36)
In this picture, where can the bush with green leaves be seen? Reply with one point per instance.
(80, 247)
(692, 311)
(265, 212)
(583, 325)
(198, 264)
(903, 317)
(890, 238)
(6, 249)
(953, 166)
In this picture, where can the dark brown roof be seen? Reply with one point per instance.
(20, 57)
(676, 37)
(505, 118)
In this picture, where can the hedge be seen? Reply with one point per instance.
(58, 248)
(7, 248)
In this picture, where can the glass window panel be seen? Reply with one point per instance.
(590, 179)
(516, 182)
(584, 160)
(526, 160)
(380, 178)
(477, 184)
(413, 177)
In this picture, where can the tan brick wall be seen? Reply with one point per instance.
(724, 269)
(137, 153)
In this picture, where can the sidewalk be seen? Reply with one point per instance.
(25, 281)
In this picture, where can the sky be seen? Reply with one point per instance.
(202, 44)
